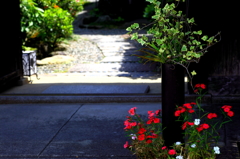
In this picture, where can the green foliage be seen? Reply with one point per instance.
(47, 22)
(57, 25)
(31, 18)
(172, 39)
(148, 11)
(72, 6)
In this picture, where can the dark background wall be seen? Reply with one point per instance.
(127, 9)
(220, 67)
(11, 55)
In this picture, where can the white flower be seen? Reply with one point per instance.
(178, 143)
(197, 122)
(179, 157)
(133, 136)
(216, 150)
(193, 145)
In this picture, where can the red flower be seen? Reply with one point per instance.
(193, 103)
(132, 111)
(177, 113)
(230, 113)
(187, 105)
(149, 141)
(164, 147)
(153, 119)
(184, 126)
(126, 145)
(211, 115)
(133, 124)
(226, 108)
(182, 109)
(141, 131)
(150, 113)
(202, 127)
(205, 126)
(141, 137)
(190, 123)
(157, 112)
(202, 86)
(199, 129)
(172, 152)
(191, 111)
(199, 86)
(156, 120)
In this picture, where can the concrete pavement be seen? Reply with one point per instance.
(66, 130)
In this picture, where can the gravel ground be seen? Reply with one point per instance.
(81, 49)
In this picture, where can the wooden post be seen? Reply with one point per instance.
(172, 95)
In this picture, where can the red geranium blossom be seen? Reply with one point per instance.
(177, 113)
(172, 152)
(211, 115)
(202, 127)
(184, 126)
(132, 111)
(226, 108)
(141, 131)
(187, 105)
(126, 145)
(141, 137)
(230, 113)
(191, 111)
(150, 113)
(157, 112)
(164, 147)
(202, 86)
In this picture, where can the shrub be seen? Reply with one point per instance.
(56, 26)
(72, 6)
(31, 19)
(47, 22)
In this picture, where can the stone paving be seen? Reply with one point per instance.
(119, 59)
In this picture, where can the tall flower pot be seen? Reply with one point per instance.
(172, 95)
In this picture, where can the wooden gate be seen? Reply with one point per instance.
(11, 53)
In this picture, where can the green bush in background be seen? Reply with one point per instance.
(45, 23)
(56, 25)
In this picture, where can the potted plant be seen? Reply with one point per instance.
(171, 41)
(201, 132)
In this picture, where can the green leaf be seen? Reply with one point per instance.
(30, 23)
(193, 73)
(210, 39)
(190, 20)
(141, 41)
(129, 29)
(134, 36)
(135, 25)
(192, 47)
(184, 48)
(204, 38)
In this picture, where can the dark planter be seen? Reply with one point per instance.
(172, 95)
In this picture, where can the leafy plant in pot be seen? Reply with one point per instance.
(171, 41)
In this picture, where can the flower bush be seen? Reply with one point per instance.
(201, 132)
(47, 22)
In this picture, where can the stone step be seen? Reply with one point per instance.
(114, 43)
(122, 59)
(97, 89)
(122, 53)
(119, 50)
(114, 67)
(122, 74)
